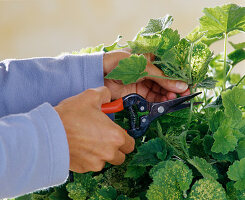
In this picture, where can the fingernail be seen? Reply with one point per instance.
(181, 85)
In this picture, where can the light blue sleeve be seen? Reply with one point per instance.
(34, 150)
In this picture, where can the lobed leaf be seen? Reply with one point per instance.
(129, 70)
(232, 99)
(204, 168)
(157, 25)
(207, 189)
(147, 153)
(195, 35)
(201, 56)
(155, 44)
(170, 182)
(241, 149)
(234, 194)
(224, 19)
(236, 173)
(225, 141)
(83, 186)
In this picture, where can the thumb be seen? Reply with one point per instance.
(170, 85)
(104, 95)
(96, 96)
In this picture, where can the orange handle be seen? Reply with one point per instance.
(112, 107)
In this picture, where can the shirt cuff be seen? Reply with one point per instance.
(59, 149)
(94, 74)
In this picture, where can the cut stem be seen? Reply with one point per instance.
(225, 55)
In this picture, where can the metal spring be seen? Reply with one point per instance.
(133, 118)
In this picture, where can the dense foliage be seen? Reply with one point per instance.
(194, 154)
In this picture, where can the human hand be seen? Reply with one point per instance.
(153, 89)
(92, 136)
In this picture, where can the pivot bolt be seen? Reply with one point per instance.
(160, 109)
(143, 120)
(142, 108)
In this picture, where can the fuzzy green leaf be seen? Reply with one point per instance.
(157, 167)
(145, 44)
(147, 153)
(234, 194)
(129, 70)
(225, 140)
(241, 149)
(201, 56)
(216, 120)
(224, 19)
(169, 39)
(83, 186)
(232, 99)
(156, 44)
(105, 193)
(207, 189)
(204, 168)
(174, 62)
(208, 141)
(236, 173)
(157, 25)
(60, 192)
(170, 182)
(195, 35)
(134, 171)
(208, 83)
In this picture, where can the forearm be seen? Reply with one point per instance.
(25, 84)
(34, 152)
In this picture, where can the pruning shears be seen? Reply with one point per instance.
(154, 110)
(135, 103)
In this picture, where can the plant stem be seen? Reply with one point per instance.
(190, 82)
(191, 109)
(225, 55)
(189, 61)
(240, 80)
(176, 79)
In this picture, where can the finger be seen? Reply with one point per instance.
(141, 89)
(127, 49)
(163, 98)
(101, 95)
(148, 83)
(150, 96)
(128, 146)
(118, 159)
(171, 95)
(156, 88)
(187, 92)
(158, 98)
(170, 85)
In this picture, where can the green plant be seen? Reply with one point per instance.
(191, 154)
